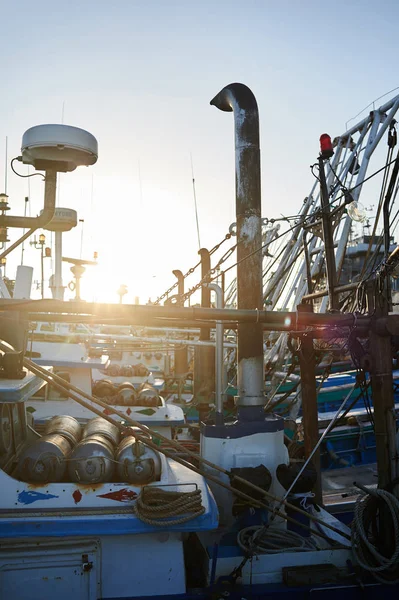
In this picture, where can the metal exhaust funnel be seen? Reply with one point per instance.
(239, 99)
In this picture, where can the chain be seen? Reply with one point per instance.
(190, 271)
(207, 277)
(172, 287)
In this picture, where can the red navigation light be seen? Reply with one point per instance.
(326, 147)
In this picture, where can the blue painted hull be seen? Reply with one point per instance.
(353, 591)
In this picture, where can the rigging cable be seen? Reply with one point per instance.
(195, 202)
(312, 216)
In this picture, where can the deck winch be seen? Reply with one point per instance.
(45, 459)
(92, 461)
(136, 463)
(99, 426)
(66, 426)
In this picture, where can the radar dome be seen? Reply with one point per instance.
(59, 147)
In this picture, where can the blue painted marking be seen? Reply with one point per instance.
(30, 497)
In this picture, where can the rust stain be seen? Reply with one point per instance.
(123, 495)
(37, 486)
(77, 496)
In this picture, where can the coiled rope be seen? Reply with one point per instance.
(258, 540)
(159, 507)
(365, 535)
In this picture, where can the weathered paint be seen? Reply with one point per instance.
(77, 496)
(239, 98)
(28, 497)
(124, 495)
(88, 488)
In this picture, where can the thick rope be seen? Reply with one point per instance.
(384, 568)
(159, 507)
(257, 540)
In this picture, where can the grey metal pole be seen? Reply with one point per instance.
(328, 239)
(309, 400)
(59, 288)
(218, 356)
(204, 357)
(42, 269)
(181, 354)
(239, 99)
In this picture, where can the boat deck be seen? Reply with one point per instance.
(339, 491)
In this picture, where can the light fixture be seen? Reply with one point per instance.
(4, 202)
(356, 211)
(326, 147)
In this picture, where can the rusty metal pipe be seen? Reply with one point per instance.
(180, 286)
(146, 313)
(240, 100)
(33, 223)
(205, 291)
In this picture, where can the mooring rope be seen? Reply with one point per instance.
(159, 507)
(364, 538)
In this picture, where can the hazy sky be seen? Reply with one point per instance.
(139, 75)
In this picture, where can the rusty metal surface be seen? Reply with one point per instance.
(239, 99)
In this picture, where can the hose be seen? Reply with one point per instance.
(258, 540)
(154, 506)
(365, 535)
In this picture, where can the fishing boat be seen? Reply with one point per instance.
(116, 509)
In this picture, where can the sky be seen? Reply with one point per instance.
(139, 75)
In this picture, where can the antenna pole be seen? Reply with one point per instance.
(23, 243)
(141, 187)
(328, 238)
(6, 167)
(195, 202)
(81, 237)
(58, 196)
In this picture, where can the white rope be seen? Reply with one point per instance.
(368, 557)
